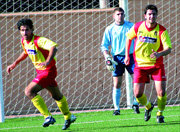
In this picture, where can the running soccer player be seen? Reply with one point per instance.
(115, 37)
(152, 43)
(42, 52)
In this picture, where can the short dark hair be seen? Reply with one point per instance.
(26, 21)
(118, 9)
(150, 7)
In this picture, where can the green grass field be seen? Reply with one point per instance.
(102, 121)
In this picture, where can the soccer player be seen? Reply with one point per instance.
(115, 37)
(42, 52)
(152, 43)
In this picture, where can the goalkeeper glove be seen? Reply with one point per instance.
(110, 63)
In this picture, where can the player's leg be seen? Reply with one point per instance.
(140, 96)
(140, 78)
(135, 103)
(160, 84)
(31, 92)
(60, 100)
(161, 99)
(63, 105)
(130, 70)
(142, 99)
(117, 81)
(116, 94)
(139, 93)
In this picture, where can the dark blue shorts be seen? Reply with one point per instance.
(120, 68)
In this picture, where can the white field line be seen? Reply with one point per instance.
(84, 111)
(91, 122)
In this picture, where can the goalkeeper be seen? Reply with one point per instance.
(42, 52)
(115, 37)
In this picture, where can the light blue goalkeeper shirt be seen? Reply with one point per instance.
(115, 37)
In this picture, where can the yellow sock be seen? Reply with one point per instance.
(143, 101)
(63, 106)
(39, 103)
(161, 104)
(159, 113)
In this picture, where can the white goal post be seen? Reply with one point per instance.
(1, 91)
(128, 78)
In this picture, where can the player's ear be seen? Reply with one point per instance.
(113, 15)
(145, 16)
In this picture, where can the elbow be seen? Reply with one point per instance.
(169, 50)
(55, 49)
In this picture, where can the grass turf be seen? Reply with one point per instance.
(101, 121)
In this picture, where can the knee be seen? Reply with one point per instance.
(138, 93)
(161, 93)
(117, 85)
(29, 93)
(138, 89)
(57, 97)
(26, 92)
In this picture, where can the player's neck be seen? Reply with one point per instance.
(151, 25)
(28, 39)
(119, 23)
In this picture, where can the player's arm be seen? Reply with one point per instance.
(161, 53)
(128, 45)
(166, 45)
(106, 42)
(109, 61)
(52, 53)
(16, 62)
(130, 35)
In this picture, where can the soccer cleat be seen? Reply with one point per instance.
(116, 112)
(160, 119)
(147, 115)
(136, 109)
(68, 122)
(49, 120)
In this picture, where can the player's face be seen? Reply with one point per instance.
(26, 32)
(118, 17)
(151, 16)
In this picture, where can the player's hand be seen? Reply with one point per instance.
(43, 64)
(10, 68)
(126, 60)
(154, 55)
(110, 63)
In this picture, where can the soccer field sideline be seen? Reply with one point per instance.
(90, 122)
(84, 111)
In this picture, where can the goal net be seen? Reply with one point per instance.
(78, 28)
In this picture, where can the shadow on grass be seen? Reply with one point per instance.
(101, 128)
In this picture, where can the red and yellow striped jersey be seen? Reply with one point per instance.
(38, 50)
(148, 39)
